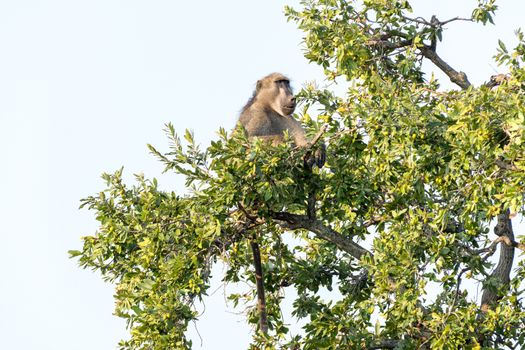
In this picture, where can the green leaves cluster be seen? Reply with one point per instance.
(416, 175)
(156, 252)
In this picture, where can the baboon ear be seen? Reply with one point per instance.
(258, 86)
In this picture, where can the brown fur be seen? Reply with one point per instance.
(268, 114)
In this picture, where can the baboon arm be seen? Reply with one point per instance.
(299, 136)
(297, 132)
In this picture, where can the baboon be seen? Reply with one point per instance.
(268, 114)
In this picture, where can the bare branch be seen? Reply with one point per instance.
(318, 136)
(455, 19)
(490, 250)
(429, 52)
(419, 20)
(458, 78)
(295, 221)
(423, 21)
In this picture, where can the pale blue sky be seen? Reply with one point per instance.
(85, 85)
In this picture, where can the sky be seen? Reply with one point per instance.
(85, 85)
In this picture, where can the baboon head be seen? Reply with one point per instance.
(274, 90)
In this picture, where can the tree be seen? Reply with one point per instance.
(398, 222)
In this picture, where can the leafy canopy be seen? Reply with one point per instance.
(386, 238)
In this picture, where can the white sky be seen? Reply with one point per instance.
(85, 85)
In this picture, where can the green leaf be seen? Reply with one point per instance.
(74, 253)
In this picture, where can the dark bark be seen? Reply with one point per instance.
(428, 51)
(261, 298)
(295, 221)
(501, 273)
(458, 78)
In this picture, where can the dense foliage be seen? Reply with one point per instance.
(383, 243)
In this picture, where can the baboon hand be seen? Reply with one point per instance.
(317, 157)
(309, 160)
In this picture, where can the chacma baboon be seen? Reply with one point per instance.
(268, 114)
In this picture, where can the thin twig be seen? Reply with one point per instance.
(423, 21)
(318, 136)
(419, 20)
(455, 19)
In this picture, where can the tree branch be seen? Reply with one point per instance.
(502, 271)
(436, 23)
(385, 44)
(459, 78)
(419, 20)
(261, 298)
(326, 233)
(507, 241)
(429, 52)
(312, 198)
(318, 136)
(455, 19)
